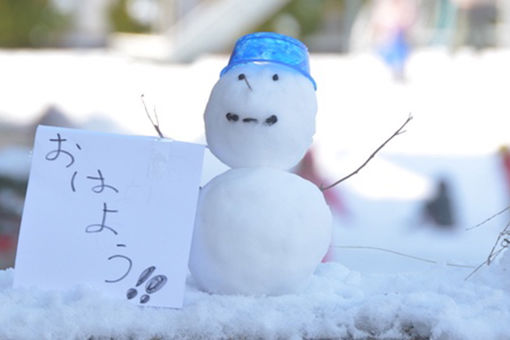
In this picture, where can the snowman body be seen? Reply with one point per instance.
(259, 229)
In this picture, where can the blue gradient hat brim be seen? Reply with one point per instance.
(270, 47)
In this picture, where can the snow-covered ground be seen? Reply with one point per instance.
(461, 118)
(338, 303)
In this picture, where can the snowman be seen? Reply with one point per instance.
(260, 230)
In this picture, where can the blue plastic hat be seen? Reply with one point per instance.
(271, 47)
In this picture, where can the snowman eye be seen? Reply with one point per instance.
(232, 117)
(275, 77)
(271, 120)
(241, 76)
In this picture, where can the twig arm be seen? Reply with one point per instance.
(155, 121)
(396, 133)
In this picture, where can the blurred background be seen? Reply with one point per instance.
(85, 64)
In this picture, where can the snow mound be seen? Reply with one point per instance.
(338, 303)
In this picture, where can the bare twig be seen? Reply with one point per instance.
(402, 254)
(155, 121)
(476, 269)
(243, 77)
(396, 133)
(504, 244)
(486, 262)
(488, 219)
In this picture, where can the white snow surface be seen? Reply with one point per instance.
(338, 303)
(259, 231)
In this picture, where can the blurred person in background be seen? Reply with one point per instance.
(438, 209)
(390, 24)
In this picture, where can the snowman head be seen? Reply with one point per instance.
(261, 112)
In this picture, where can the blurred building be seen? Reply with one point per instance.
(181, 30)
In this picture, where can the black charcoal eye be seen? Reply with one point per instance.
(275, 77)
(271, 120)
(232, 117)
(241, 76)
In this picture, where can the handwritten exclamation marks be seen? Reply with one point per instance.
(152, 286)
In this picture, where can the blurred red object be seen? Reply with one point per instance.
(505, 157)
(307, 169)
(6, 244)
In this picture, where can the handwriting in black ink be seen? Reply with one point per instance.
(55, 154)
(100, 187)
(97, 228)
(61, 151)
(73, 188)
(129, 263)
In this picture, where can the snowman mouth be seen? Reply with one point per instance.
(233, 118)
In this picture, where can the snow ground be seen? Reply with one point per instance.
(460, 108)
(338, 303)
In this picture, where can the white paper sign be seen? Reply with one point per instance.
(109, 211)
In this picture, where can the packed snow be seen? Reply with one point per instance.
(259, 231)
(270, 123)
(338, 303)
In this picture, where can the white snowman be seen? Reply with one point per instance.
(260, 230)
